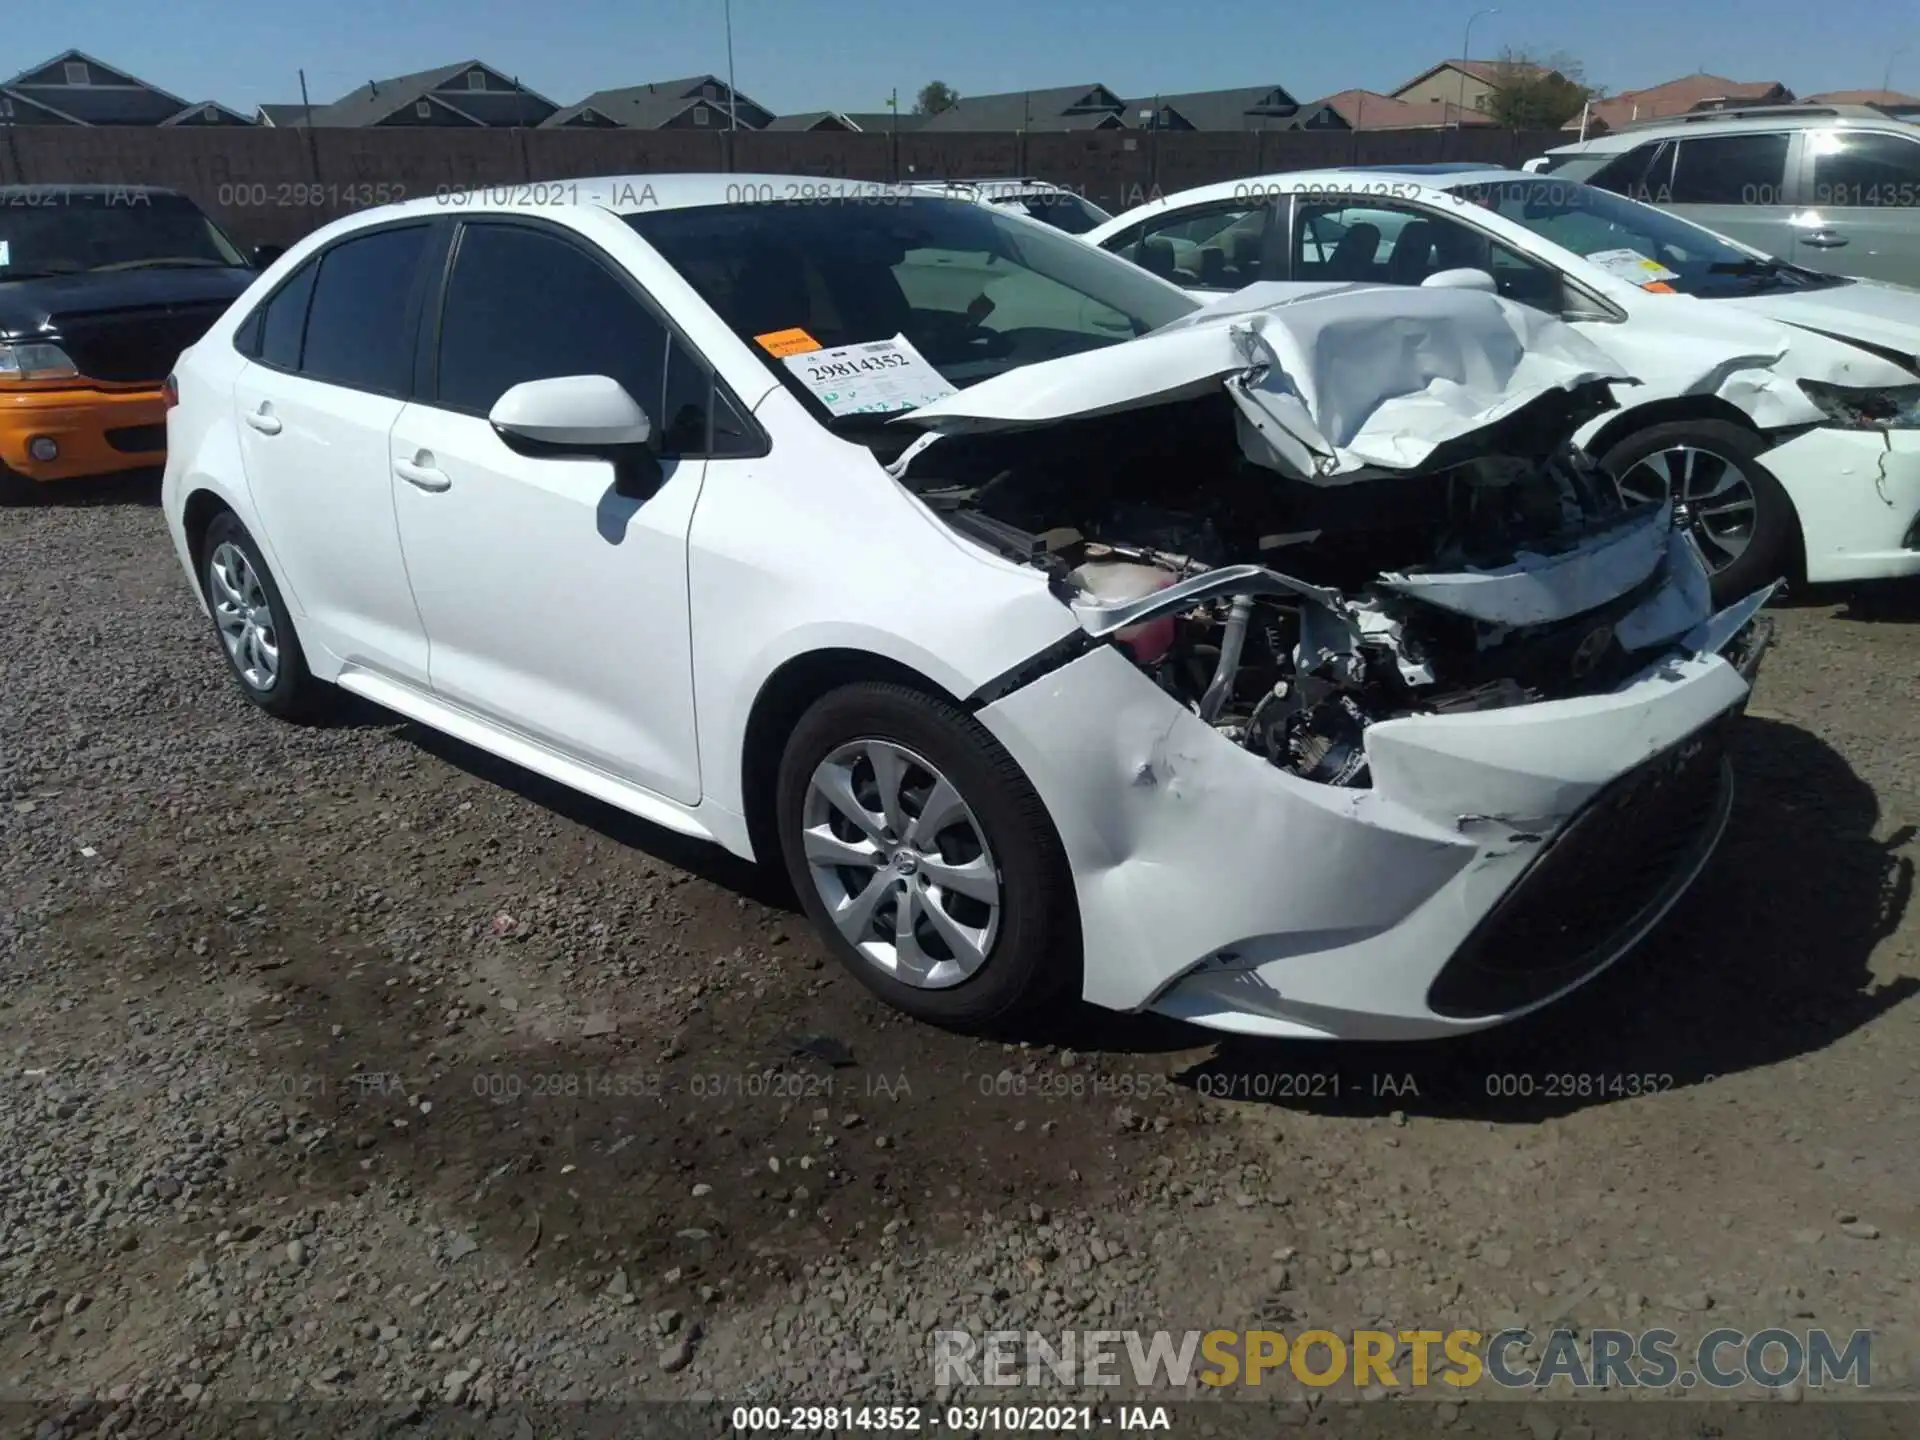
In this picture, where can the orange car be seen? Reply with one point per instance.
(101, 288)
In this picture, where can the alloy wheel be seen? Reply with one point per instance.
(245, 618)
(901, 863)
(1712, 498)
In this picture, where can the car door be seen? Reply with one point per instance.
(1859, 211)
(1735, 183)
(555, 605)
(1217, 247)
(330, 362)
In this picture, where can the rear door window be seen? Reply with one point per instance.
(360, 324)
(1730, 170)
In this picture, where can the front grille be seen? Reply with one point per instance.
(134, 344)
(138, 439)
(1605, 876)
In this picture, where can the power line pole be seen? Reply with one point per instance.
(733, 97)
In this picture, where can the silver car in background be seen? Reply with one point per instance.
(1830, 187)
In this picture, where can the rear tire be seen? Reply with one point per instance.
(253, 626)
(1735, 510)
(864, 767)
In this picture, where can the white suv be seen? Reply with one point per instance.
(1831, 187)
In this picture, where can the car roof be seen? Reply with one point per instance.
(1736, 122)
(1432, 167)
(634, 194)
(990, 182)
(1346, 179)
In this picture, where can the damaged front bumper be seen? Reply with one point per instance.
(1498, 859)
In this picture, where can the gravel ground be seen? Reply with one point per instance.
(346, 1063)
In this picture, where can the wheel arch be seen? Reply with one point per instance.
(1624, 424)
(202, 508)
(783, 698)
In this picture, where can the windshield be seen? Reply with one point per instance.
(1616, 232)
(1058, 208)
(64, 232)
(975, 290)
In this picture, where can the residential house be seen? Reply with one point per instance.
(1370, 110)
(698, 102)
(207, 112)
(1885, 99)
(1251, 107)
(811, 120)
(1062, 107)
(885, 120)
(281, 115)
(1470, 84)
(73, 88)
(1684, 96)
(464, 96)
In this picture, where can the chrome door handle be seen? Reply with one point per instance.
(423, 477)
(264, 420)
(1823, 239)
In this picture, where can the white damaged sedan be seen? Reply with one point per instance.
(1280, 668)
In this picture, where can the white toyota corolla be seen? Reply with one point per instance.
(1779, 406)
(1279, 668)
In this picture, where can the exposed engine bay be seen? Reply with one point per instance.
(1292, 614)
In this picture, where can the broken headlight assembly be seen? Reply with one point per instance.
(1878, 407)
(34, 360)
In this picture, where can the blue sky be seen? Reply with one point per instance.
(805, 54)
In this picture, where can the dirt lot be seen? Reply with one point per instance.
(346, 1064)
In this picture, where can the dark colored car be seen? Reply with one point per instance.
(101, 288)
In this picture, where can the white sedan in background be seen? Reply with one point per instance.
(1055, 631)
(1780, 407)
(1056, 205)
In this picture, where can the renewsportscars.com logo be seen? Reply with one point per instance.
(1456, 1359)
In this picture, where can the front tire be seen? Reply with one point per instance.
(253, 626)
(924, 858)
(1735, 510)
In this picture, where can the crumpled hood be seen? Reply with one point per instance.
(1330, 383)
(1884, 316)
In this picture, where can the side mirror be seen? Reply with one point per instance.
(578, 414)
(265, 255)
(1461, 280)
(584, 415)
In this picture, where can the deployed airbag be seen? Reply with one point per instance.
(1330, 384)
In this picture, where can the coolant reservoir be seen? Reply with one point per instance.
(1114, 582)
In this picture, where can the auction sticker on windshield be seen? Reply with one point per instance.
(1631, 266)
(874, 378)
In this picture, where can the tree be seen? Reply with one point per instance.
(935, 96)
(1535, 94)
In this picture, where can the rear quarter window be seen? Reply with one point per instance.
(272, 334)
